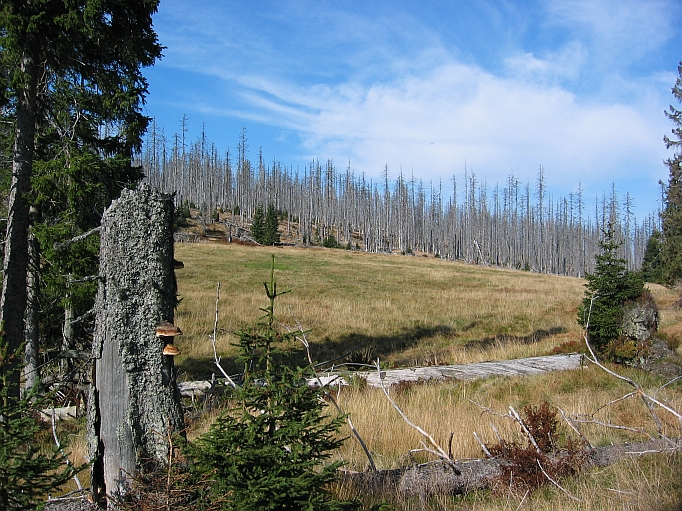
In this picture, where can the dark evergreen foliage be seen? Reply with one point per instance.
(271, 227)
(607, 290)
(71, 198)
(270, 450)
(258, 225)
(652, 264)
(73, 136)
(182, 213)
(330, 242)
(27, 471)
(672, 214)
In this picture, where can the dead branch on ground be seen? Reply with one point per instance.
(650, 401)
(216, 358)
(302, 338)
(440, 452)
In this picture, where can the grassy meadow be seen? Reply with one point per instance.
(418, 311)
(405, 310)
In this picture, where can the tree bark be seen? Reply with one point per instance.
(31, 349)
(134, 405)
(13, 297)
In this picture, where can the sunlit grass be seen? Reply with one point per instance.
(409, 310)
(417, 310)
(458, 407)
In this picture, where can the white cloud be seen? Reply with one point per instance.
(569, 103)
(619, 30)
(432, 123)
(552, 68)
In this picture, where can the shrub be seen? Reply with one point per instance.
(625, 351)
(523, 465)
(568, 347)
(271, 227)
(269, 450)
(181, 215)
(607, 290)
(330, 242)
(258, 225)
(27, 472)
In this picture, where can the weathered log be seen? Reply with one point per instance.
(470, 372)
(60, 414)
(439, 479)
(194, 389)
(134, 404)
(464, 372)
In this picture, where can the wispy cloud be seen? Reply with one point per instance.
(619, 32)
(434, 122)
(562, 86)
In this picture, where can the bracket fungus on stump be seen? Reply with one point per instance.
(134, 405)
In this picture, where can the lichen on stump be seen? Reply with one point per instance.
(134, 404)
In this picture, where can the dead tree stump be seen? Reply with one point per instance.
(134, 405)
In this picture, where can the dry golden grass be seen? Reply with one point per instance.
(410, 310)
(650, 482)
(417, 310)
(442, 408)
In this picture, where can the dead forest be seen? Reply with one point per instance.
(512, 224)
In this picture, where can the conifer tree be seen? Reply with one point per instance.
(73, 76)
(672, 214)
(652, 264)
(269, 451)
(271, 228)
(258, 226)
(27, 472)
(607, 290)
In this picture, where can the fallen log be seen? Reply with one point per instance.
(464, 372)
(437, 478)
(477, 371)
(194, 389)
(60, 414)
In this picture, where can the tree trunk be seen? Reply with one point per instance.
(31, 350)
(67, 332)
(13, 297)
(134, 405)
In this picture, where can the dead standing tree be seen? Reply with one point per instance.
(134, 405)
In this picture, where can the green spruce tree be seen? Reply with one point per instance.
(270, 449)
(652, 264)
(27, 470)
(258, 226)
(72, 72)
(271, 227)
(607, 290)
(671, 253)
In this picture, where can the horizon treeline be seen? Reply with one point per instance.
(513, 225)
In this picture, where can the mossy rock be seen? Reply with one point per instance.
(662, 360)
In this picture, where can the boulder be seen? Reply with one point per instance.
(640, 318)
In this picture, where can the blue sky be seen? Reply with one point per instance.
(577, 86)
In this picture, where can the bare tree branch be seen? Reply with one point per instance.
(648, 400)
(331, 398)
(557, 484)
(59, 446)
(572, 425)
(485, 449)
(613, 426)
(441, 453)
(517, 418)
(76, 239)
(216, 358)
